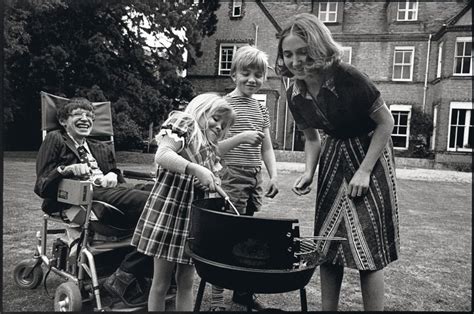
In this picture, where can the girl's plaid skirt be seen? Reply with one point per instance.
(369, 223)
(164, 224)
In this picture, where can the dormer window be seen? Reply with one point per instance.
(407, 10)
(236, 8)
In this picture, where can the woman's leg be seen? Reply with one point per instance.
(331, 280)
(184, 281)
(162, 272)
(372, 286)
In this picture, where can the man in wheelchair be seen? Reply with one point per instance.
(68, 153)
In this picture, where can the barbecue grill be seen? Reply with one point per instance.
(251, 254)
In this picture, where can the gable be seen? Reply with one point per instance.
(465, 19)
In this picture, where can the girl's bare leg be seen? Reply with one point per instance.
(331, 280)
(162, 272)
(372, 286)
(184, 281)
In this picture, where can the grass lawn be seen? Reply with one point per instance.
(433, 273)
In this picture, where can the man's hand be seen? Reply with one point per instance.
(77, 170)
(109, 180)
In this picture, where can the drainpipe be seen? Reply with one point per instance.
(425, 87)
(256, 33)
(286, 84)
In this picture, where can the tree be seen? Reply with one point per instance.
(101, 50)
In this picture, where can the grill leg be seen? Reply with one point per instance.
(200, 294)
(304, 304)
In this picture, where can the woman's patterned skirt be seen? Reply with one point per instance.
(369, 223)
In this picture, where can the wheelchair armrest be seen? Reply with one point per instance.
(146, 176)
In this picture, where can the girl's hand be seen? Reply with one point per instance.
(359, 183)
(206, 178)
(302, 185)
(251, 137)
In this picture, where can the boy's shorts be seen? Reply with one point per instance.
(243, 184)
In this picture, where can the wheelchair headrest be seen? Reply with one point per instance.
(50, 103)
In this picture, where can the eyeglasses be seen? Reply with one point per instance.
(80, 114)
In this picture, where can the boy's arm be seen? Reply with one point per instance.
(268, 157)
(246, 137)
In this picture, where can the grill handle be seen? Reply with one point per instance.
(320, 238)
(224, 195)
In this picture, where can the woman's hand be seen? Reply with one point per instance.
(359, 183)
(302, 185)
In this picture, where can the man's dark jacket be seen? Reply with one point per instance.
(58, 149)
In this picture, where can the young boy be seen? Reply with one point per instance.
(241, 175)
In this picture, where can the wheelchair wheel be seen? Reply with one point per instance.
(33, 279)
(68, 298)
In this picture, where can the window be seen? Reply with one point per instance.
(328, 12)
(440, 60)
(227, 52)
(407, 11)
(401, 128)
(236, 8)
(460, 137)
(347, 54)
(403, 63)
(262, 98)
(463, 56)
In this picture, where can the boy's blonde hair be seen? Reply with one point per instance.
(249, 57)
(205, 106)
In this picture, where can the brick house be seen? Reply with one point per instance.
(418, 53)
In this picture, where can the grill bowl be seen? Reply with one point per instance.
(253, 280)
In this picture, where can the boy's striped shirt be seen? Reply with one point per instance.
(251, 116)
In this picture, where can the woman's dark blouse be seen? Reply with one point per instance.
(343, 106)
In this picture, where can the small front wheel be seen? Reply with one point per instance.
(27, 274)
(68, 298)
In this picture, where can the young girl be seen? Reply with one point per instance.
(187, 149)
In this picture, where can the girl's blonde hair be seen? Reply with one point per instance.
(323, 50)
(249, 57)
(201, 108)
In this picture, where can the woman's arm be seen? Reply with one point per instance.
(312, 150)
(360, 181)
(268, 157)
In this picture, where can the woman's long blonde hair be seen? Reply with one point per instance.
(201, 108)
(323, 50)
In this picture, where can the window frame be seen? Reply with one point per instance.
(407, 10)
(439, 66)
(456, 57)
(349, 49)
(235, 47)
(454, 105)
(401, 108)
(411, 64)
(328, 11)
(262, 98)
(236, 4)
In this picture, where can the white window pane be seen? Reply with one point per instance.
(332, 17)
(332, 6)
(402, 5)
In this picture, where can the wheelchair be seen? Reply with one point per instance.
(84, 251)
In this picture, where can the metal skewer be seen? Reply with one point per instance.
(226, 198)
